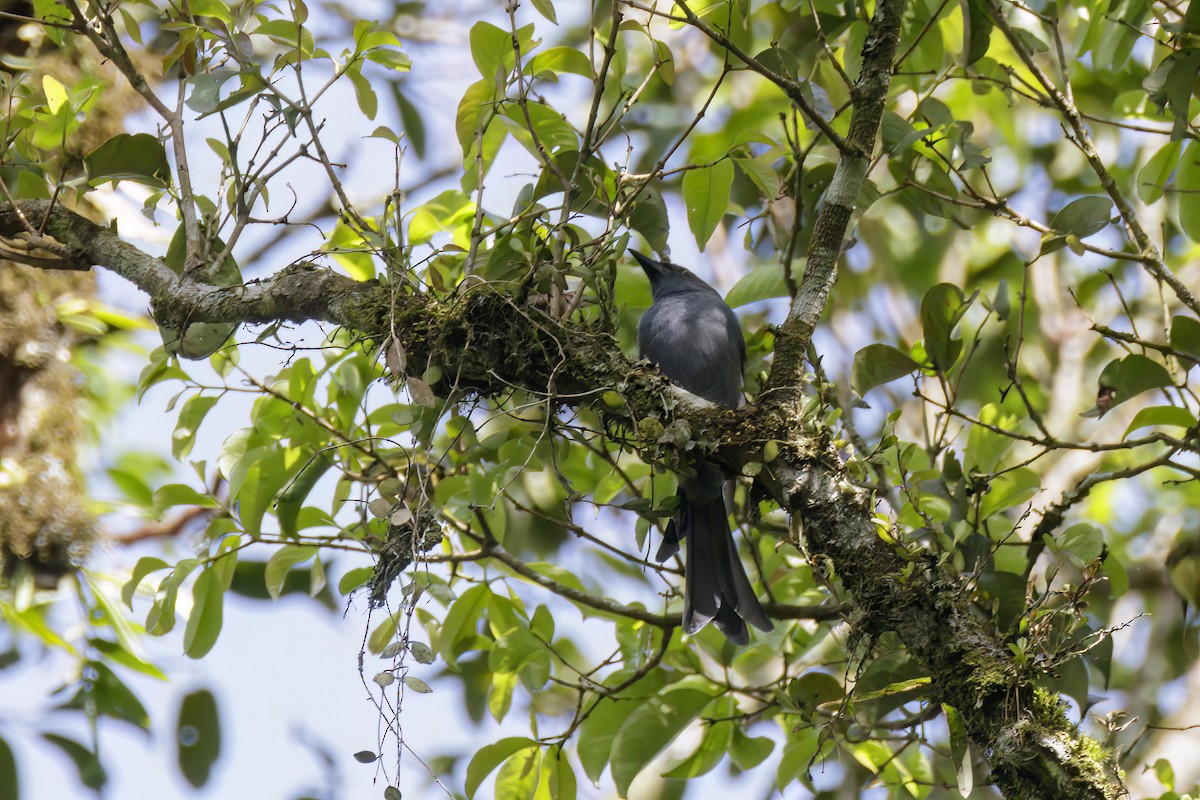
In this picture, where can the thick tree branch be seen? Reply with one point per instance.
(488, 344)
(178, 301)
(869, 95)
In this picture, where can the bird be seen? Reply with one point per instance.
(693, 337)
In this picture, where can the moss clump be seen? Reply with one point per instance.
(43, 524)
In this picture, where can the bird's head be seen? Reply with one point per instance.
(664, 275)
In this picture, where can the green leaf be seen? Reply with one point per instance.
(1084, 216)
(1118, 576)
(1187, 180)
(1030, 41)
(353, 579)
(368, 101)
(179, 494)
(713, 747)
(941, 309)
(519, 651)
(281, 562)
(986, 448)
(518, 776)
(135, 157)
(561, 59)
(132, 486)
(204, 623)
(383, 634)
(1165, 773)
(650, 728)
(798, 751)
(960, 749)
(546, 9)
(1013, 488)
(205, 97)
(746, 752)
(1082, 541)
(649, 218)
(1153, 178)
(442, 213)
(417, 685)
(706, 195)
(554, 133)
(977, 31)
(258, 477)
(460, 622)
(112, 615)
(233, 450)
(390, 58)
(761, 283)
(471, 112)
(286, 32)
(32, 620)
(898, 134)
(490, 756)
(761, 172)
(877, 364)
(110, 697)
(814, 688)
(421, 652)
(190, 417)
(1173, 416)
(117, 654)
(144, 566)
(499, 700)
(410, 118)
(91, 771)
(597, 733)
(1185, 336)
(559, 776)
(1170, 85)
(291, 499)
(160, 619)
(10, 786)
(1125, 378)
(489, 46)
(210, 8)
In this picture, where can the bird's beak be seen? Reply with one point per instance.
(651, 267)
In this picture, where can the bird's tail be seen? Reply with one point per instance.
(715, 584)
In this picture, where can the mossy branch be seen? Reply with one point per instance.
(488, 345)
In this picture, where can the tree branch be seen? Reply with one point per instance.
(869, 96)
(490, 345)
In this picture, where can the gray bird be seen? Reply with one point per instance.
(694, 338)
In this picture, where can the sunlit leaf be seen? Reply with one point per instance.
(1153, 178)
(650, 728)
(204, 622)
(489, 757)
(1170, 416)
(281, 562)
(761, 283)
(877, 364)
(706, 195)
